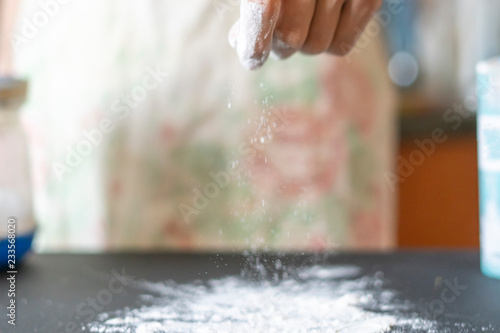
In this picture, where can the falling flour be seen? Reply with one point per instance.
(317, 299)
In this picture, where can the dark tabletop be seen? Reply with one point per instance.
(50, 287)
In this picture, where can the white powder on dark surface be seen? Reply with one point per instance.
(319, 299)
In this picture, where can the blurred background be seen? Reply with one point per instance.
(378, 151)
(434, 48)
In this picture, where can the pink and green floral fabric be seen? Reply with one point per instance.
(147, 133)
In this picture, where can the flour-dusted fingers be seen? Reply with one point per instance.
(354, 17)
(292, 27)
(285, 27)
(323, 26)
(256, 28)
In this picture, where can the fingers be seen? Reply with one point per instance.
(292, 27)
(354, 17)
(323, 26)
(287, 26)
(256, 26)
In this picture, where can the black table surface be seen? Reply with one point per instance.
(50, 287)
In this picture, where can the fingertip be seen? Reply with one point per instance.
(341, 48)
(253, 42)
(280, 49)
(252, 64)
(251, 58)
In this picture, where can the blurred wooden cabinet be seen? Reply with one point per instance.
(438, 202)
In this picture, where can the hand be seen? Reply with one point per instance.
(285, 27)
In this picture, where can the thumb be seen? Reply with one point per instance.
(257, 22)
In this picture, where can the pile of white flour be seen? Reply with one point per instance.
(320, 299)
